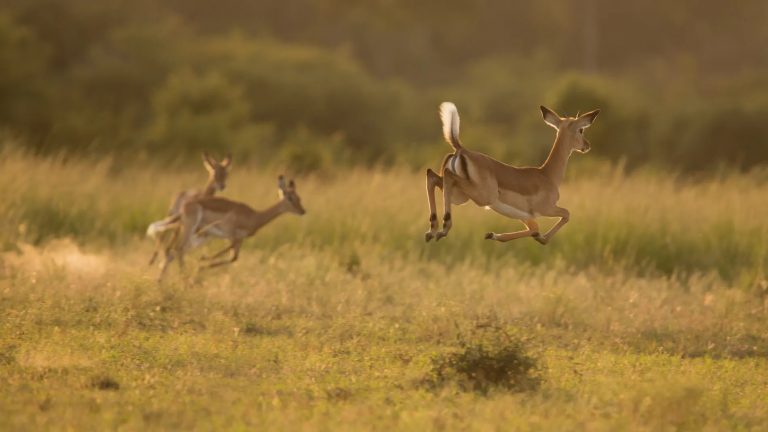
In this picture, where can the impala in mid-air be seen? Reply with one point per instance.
(223, 218)
(217, 181)
(519, 193)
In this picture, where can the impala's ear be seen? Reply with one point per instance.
(550, 117)
(586, 120)
(208, 161)
(227, 161)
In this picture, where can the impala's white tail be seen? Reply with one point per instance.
(162, 225)
(450, 118)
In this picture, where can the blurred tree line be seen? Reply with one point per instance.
(312, 83)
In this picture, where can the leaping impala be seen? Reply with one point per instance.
(165, 234)
(227, 219)
(519, 193)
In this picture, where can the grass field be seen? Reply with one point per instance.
(649, 311)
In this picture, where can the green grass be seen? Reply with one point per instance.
(647, 312)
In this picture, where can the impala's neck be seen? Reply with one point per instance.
(268, 215)
(554, 166)
(210, 188)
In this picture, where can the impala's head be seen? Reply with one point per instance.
(217, 171)
(287, 193)
(571, 128)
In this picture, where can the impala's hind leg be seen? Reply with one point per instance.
(532, 231)
(159, 245)
(164, 267)
(451, 195)
(162, 242)
(154, 254)
(166, 243)
(433, 181)
(564, 216)
(184, 237)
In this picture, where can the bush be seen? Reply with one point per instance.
(489, 358)
(22, 86)
(293, 86)
(304, 152)
(198, 112)
(105, 103)
(715, 135)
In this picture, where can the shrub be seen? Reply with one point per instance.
(489, 358)
(715, 135)
(104, 382)
(22, 86)
(294, 86)
(304, 152)
(198, 111)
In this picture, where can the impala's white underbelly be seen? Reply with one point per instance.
(509, 211)
(216, 232)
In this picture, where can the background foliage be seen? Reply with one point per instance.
(315, 82)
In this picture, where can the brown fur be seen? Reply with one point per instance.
(217, 178)
(228, 219)
(522, 193)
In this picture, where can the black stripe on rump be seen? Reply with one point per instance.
(464, 166)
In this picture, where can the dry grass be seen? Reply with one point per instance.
(647, 312)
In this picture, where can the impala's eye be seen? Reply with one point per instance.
(581, 131)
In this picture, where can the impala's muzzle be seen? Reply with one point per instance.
(586, 146)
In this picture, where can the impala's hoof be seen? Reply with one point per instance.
(489, 236)
(539, 238)
(440, 234)
(428, 236)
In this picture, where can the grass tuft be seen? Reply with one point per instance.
(488, 358)
(104, 382)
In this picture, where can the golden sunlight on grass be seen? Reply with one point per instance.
(648, 311)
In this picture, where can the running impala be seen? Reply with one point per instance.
(165, 234)
(227, 219)
(518, 193)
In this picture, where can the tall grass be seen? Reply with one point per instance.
(645, 223)
(646, 312)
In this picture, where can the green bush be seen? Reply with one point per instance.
(195, 111)
(724, 134)
(488, 358)
(45, 220)
(22, 87)
(106, 103)
(293, 86)
(305, 152)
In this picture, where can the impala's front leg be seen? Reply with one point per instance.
(235, 246)
(448, 184)
(564, 216)
(216, 255)
(532, 231)
(433, 181)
